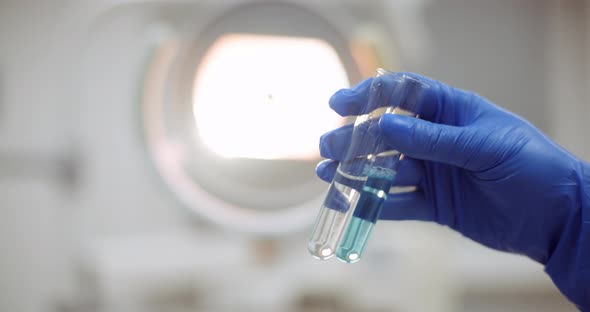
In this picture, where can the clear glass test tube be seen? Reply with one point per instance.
(363, 179)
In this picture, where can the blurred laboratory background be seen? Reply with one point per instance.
(159, 155)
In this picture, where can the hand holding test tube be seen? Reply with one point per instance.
(363, 179)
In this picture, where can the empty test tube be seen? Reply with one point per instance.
(362, 181)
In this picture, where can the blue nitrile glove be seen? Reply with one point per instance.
(486, 173)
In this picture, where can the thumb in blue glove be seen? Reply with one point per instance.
(486, 173)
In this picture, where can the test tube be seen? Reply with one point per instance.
(363, 179)
(403, 95)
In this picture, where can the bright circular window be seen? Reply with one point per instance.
(264, 97)
(233, 119)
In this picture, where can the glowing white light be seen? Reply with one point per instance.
(353, 257)
(266, 97)
(326, 252)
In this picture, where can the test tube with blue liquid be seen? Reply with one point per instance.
(359, 189)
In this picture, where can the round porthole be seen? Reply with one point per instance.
(233, 118)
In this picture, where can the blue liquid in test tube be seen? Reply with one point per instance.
(363, 179)
(368, 208)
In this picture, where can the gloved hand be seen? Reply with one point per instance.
(486, 173)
